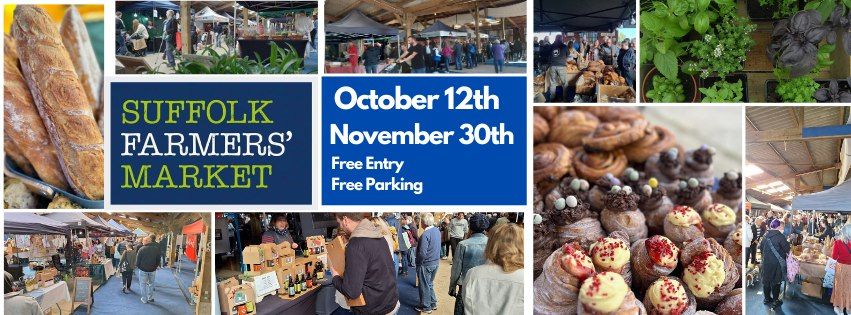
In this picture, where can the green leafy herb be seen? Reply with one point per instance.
(280, 61)
(723, 92)
(797, 90)
(666, 90)
(722, 50)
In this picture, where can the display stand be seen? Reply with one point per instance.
(83, 292)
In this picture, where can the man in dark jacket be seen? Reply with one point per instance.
(369, 267)
(774, 249)
(120, 45)
(170, 36)
(428, 259)
(626, 63)
(147, 260)
(459, 53)
(163, 246)
(370, 58)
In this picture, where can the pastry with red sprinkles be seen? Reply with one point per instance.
(668, 296)
(683, 224)
(607, 293)
(652, 258)
(709, 272)
(612, 254)
(556, 290)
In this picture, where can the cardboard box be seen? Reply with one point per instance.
(811, 289)
(286, 254)
(314, 242)
(337, 259)
(609, 93)
(233, 294)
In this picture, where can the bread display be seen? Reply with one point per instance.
(22, 123)
(75, 37)
(52, 90)
(659, 251)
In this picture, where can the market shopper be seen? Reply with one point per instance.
(170, 36)
(147, 260)
(352, 52)
(427, 261)
(774, 249)
(557, 72)
(369, 270)
(498, 52)
(841, 297)
(370, 57)
(459, 54)
(626, 63)
(444, 236)
(606, 51)
(470, 253)
(415, 56)
(126, 266)
(751, 241)
(472, 51)
(497, 286)
(120, 44)
(14, 302)
(458, 228)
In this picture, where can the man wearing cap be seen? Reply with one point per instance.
(279, 232)
(470, 253)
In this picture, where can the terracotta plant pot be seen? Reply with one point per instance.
(689, 86)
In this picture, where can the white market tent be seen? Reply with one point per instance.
(837, 199)
(440, 29)
(77, 219)
(118, 226)
(207, 15)
(139, 232)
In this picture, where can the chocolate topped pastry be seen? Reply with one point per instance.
(698, 164)
(603, 185)
(633, 178)
(666, 167)
(621, 213)
(693, 193)
(729, 191)
(655, 204)
(622, 199)
(565, 210)
(564, 220)
(574, 186)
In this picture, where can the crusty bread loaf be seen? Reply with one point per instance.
(22, 123)
(75, 37)
(14, 153)
(60, 99)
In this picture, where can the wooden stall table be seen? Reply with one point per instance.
(304, 304)
(52, 295)
(808, 269)
(248, 47)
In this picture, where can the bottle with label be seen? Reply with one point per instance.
(291, 288)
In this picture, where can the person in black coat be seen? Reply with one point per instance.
(773, 266)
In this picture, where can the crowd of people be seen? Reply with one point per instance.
(772, 236)
(487, 262)
(553, 57)
(135, 41)
(422, 55)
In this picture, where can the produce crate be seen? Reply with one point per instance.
(812, 289)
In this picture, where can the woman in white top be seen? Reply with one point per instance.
(497, 287)
(139, 37)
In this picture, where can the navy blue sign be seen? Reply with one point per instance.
(211, 143)
(424, 141)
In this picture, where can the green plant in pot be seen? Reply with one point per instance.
(666, 90)
(782, 8)
(722, 50)
(723, 92)
(280, 61)
(797, 90)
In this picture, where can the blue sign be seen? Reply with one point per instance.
(424, 141)
(211, 143)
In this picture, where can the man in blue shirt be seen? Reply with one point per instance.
(428, 259)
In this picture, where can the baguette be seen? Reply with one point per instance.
(60, 99)
(75, 37)
(14, 153)
(22, 123)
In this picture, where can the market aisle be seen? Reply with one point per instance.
(169, 297)
(793, 303)
(410, 297)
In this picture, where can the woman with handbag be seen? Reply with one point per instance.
(841, 297)
(775, 249)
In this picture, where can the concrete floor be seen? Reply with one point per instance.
(793, 303)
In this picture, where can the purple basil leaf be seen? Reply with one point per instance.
(845, 97)
(822, 95)
(816, 34)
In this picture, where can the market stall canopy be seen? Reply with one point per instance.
(835, 199)
(581, 15)
(356, 25)
(759, 205)
(440, 29)
(145, 5)
(30, 223)
(207, 15)
(238, 21)
(515, 12)
(266, 6)
(196, 227)
(139, 232)
(77, 219)
(118, 226)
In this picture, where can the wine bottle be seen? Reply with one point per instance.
(291, 288)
